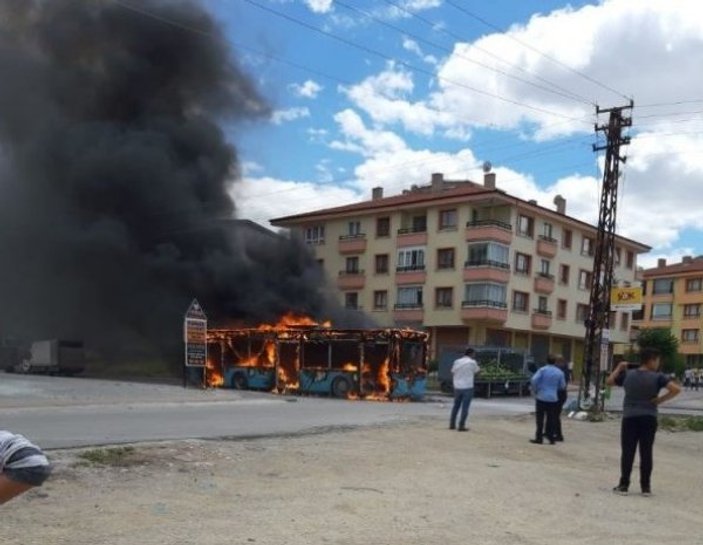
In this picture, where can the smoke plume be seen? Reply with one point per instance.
(114, 176)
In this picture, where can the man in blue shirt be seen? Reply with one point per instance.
(546, 383)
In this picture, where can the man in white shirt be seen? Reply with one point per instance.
(463, 372)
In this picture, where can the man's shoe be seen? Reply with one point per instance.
(464, 429)
(536, 441)
(552, 442)
(646, 492)
(452, 427)
(560, 439)
(620, 490)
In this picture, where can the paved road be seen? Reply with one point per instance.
(62, 412)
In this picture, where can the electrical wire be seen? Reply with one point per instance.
(534, 49)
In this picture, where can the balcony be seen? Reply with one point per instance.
(352, 244)
(547, 247)
(483, 230)
(485, 270)
(541, 319)
(412, 237)
(408, 312)
(413, 274)
(351, 280)
(485, 311)
(544, 283)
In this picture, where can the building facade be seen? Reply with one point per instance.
(673, 299)
(468, 262)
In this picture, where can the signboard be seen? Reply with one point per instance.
(195, 336)
(626, 299)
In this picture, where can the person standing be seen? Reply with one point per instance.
(546, 383)
(22, 466)
(639, 416)
(463, 371)
(688, 378)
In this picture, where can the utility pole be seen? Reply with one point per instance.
(597, 340)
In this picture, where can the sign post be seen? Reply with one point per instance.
(195, 338)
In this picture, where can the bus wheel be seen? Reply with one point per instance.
(341, 387)
(239, 381)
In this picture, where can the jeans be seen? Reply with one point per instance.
(637, 430)
(462, 399)
(550, 410)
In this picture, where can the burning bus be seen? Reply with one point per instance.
(301, 356)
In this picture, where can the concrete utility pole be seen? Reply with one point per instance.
(597, 340)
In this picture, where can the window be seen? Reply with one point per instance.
(380, 300)
(383, 227)
(630, 263)
(521, 301)
(354, 228)
(445, 258)
(489, 253)
(544, 268)
(638, 315)
(419, 224)
(409, 297)
(444, 297)
(381, 263)
(561, 309)
(523, 263)
(661, 311)
(488, 294)
(351, 300)
(689, 335)
(566, 239)
(692, 311)
(352, 265)
(694, 284)
(564, 273)
(624, 321)
(525, 226)
(663, 286)
(547, 231)
(411, 259)
(542, 303)
(618, 256)
(587, 246)
(612, 319)
(315, 234)
(581, 313)
(585, 279)
(448, 219)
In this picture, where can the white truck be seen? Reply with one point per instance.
(53, 357)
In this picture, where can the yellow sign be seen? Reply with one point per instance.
(626, 299)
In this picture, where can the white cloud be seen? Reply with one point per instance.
(308, 89)
(251, 167)
(291, 114)
(319, 6)
(414, 47)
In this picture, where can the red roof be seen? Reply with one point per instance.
(693, 266)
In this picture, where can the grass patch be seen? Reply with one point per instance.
(681, 423)
(117, 456)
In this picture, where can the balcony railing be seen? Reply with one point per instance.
(484, 303)
(543, 312)
(408, 230)
(356, 272)
(408, 306)
(486, 263)
(547, 276)
(410, 268)
(490, 223)
(352, 237)
(548, 239)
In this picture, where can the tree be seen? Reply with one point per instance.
(667, 344)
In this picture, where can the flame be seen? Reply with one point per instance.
(351, 367)
(293, 320)
(213, 373)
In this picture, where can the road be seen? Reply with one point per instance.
(73, 412)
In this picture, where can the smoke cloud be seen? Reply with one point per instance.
(114, 176)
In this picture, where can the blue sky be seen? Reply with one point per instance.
(391, 95)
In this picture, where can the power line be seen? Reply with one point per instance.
(532, 48)
(433, 25)
(464, 57)
(408, 65)
(675, 103)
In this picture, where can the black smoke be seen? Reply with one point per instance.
(114, 175)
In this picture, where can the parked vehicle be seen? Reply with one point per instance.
(504, 371)
(51, 357)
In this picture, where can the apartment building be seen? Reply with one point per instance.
(673, 299)
(467, 262)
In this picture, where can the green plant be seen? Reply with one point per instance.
(681, 423)
(667, 344)
(117, 456)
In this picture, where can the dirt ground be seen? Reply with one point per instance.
(410, 483)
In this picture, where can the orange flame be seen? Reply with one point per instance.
(293, 320)
(213, 374)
